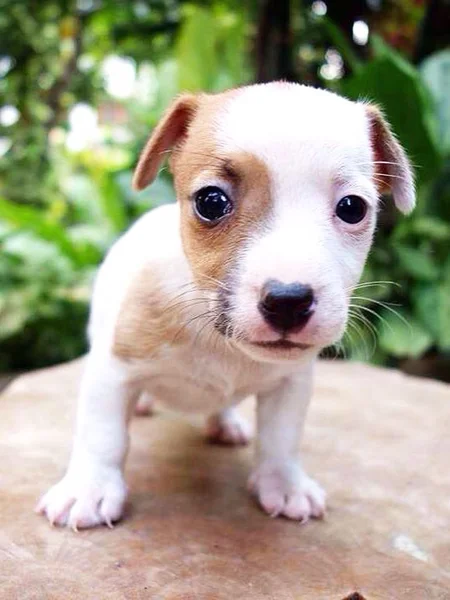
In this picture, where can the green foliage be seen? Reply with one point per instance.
(43, 299)
(60, 211)
(435, 73)
(214, 60)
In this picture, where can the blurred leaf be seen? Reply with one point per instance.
(444, 309)
(402, 337)
(432, 306)
(38, 260)
(232, 51)
(416, 263)
(25, 217)
(111, 200)
(14, 312)
(195, 50)
(388, 79)
(83, 195)
(435, 71)
(431, 227)
(425, 303)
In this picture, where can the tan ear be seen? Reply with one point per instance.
(393, 170)
(169, 131)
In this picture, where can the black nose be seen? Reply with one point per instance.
(286, 306)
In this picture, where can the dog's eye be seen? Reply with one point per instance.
(211, 204)
(351, 209)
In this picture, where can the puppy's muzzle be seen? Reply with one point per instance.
(286, 307)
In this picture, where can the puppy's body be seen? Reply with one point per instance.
(234, 290)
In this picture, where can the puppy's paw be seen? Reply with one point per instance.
(145, 406)
(229, 428)
(285, 490)
(81, 500)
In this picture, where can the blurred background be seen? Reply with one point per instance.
(82, 83)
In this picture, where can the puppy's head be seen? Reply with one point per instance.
(279, 188)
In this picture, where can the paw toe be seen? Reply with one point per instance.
(145, 406)
(297, 507)
(84, 504)
(280, 494)
(233, 431)
(271, 502)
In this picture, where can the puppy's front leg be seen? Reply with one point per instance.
(93, 490)
(278, 480)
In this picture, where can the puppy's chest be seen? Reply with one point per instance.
(195, 380)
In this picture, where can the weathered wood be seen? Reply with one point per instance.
(376, 439)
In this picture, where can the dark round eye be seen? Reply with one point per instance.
(351, 209)
(211, 203)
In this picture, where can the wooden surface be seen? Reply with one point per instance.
(377, 440)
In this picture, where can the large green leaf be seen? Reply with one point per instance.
(425, 298)
(14, 312)
(435, 71)
(232, 42)
(111, 200)
(416, 263)
(401, 335)
(195, 50)
(431, 227)
(444, 309)
(31, 219)
(394, 84)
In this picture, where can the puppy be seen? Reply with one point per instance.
(235, 289)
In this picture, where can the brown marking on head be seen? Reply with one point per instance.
(147, 319)
(209, 249)
(169, 131)
(392, 168)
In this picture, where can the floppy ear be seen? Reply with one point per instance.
(394, 172)
(170, 130)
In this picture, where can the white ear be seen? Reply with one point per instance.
(391, 163)
(169, 131)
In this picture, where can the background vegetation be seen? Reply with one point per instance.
(83, 81)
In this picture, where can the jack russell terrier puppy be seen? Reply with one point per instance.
(235, 289)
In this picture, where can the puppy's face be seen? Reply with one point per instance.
(278, 186)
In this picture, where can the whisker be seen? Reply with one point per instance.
(375, 283)
(377, 315)
(370, 328)
(354, 326)
(385, 162)
(380, 302)
(189, 322)
(392, 175)
(217, 281)
(387, 306)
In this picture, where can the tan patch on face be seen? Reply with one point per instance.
(148, 318)
(211, 250)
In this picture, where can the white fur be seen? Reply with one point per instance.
(316, 147)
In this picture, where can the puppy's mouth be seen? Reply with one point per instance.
(281, 344)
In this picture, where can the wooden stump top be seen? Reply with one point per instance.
(377, 440)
